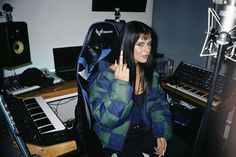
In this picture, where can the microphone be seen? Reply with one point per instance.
(7, 7)
(226, 21)
(228, 18)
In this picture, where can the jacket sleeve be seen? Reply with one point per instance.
(160, 111)
(110, 99)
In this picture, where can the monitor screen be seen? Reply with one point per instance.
(65, 61)
(110, 5)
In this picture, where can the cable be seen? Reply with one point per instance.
(55, 109)
(70, 99)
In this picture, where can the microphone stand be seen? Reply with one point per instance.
(1, 79)
(223, 41)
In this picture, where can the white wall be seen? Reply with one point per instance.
(59, 23)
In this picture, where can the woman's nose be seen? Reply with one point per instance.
(147, 48)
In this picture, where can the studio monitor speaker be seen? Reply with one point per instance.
(14, 44)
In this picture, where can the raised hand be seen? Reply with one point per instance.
(161, 147)
(121, 70)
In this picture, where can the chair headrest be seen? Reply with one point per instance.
(100, 36)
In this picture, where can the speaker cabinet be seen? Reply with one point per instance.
(14, 44)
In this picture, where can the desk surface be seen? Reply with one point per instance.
(56, 91)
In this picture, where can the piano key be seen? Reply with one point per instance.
(25, 89)
(46, 128)
(35, 110)
(15, 88)
(25, 123)
(193, 90)
(187, 88)
(39, 115)
(42, 115)
(30, 106)
(42, 122)
(55, 121)
(198, 94)
(30, 101)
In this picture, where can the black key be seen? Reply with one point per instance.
(37, 116)
(186, 87)
(46, 128)
(200, 93)
(42, 122)
(193, 90)
(29, 106)
(35, 110)
(30, 101)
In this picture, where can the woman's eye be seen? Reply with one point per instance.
(140, 44)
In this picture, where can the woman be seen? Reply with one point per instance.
(132, 116)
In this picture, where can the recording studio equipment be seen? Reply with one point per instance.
(14, 86)
(218, 1)
(14, 47)
(219, 42)
(107, 5)
(193, 83)
(65, 59)
(117, 14)
(35, 121)
(1, 79)
(7, 9)
(36, 129)
(228, 18)
(224, 22)
(164, 66)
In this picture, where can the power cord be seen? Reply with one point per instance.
(59, 103)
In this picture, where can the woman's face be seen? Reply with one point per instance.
(142, 49)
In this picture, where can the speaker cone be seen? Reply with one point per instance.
(18, 47)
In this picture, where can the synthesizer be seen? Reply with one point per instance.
(194, 82)
(35, 121)
(15, 87)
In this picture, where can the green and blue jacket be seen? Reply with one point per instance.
(111, 103)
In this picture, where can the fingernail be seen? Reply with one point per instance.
(163, 153)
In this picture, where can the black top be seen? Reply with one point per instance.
(136, 113)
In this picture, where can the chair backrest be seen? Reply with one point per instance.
(119, 24)
(97, 45)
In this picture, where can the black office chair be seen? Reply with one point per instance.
(97, 45)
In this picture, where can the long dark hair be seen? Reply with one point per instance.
(130, 35)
